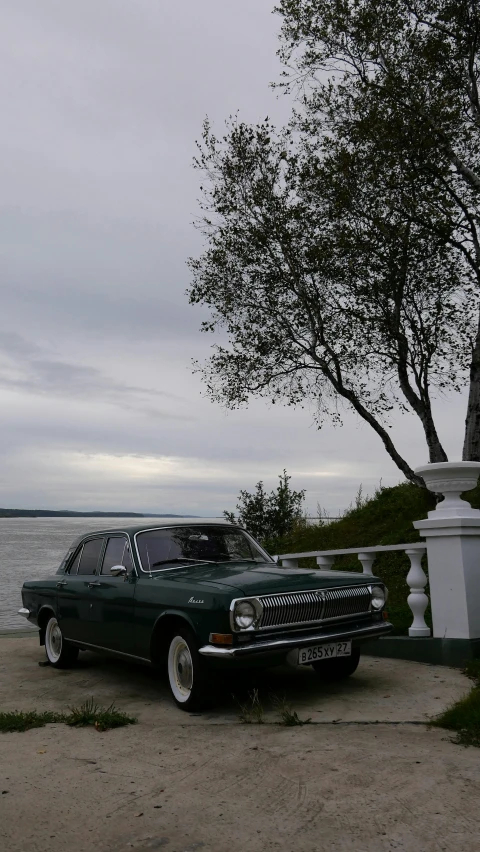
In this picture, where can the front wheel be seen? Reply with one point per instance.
(187, 672)
(60, 653)
(337, 668)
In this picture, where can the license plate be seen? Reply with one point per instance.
(324, 652)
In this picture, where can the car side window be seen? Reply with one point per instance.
(74, 566)
(90, 556)
(117, 552)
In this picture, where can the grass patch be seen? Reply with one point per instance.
(103, 719)
(252, 712)
(464, 716)
(89, 713)
(17, 720)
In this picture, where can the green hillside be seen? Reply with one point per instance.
(384, 519)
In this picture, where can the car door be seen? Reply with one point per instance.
(112, 599)
(74, 590)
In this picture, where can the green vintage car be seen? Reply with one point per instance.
(193, 596)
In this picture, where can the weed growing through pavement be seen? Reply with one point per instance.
(288, 716)
(252, 713)
(89, 713)
(103, 719)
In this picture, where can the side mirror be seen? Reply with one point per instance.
(118, 571)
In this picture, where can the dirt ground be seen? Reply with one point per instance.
(364, 775)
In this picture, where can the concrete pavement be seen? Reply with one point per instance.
(181, 782)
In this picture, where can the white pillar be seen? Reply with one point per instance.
(325, 562)
(289, 563)
(452, 533)
(417, 599)
(367, 560)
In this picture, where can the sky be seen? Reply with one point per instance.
(101, 104)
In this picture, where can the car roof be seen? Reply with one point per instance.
(156, 523)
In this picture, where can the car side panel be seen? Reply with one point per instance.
(73, 606)
(112, 614)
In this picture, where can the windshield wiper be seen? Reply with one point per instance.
(184, 559)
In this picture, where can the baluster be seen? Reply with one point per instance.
(325, 562)
(417, 599)
(289, 563)
(367, 560)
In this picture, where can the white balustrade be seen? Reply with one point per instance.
(367, 560)
(417, 599)
(452, 533)
(451, 536)
(325, 562)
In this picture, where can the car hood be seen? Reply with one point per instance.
(266, 578)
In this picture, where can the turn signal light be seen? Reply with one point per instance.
(221, 638)
(385, 615)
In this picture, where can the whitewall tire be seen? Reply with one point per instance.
(60, 653)
(187, 673)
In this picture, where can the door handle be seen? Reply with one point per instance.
(61, 583)
(91, 585)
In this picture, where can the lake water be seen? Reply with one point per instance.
(31, 548)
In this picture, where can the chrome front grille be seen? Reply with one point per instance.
(294, 608)
(341, 602)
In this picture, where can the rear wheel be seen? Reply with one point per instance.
(337, 668)
(60, 653)
(187, 671)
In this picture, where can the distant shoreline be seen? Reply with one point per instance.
(67, 513)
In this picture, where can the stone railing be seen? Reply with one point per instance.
(416, 578)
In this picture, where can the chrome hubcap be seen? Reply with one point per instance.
(183, 668)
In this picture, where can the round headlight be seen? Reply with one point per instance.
(379, 597)
(244, 614)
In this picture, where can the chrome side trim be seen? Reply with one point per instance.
(25, 612)
(274, 645)
(109, 650)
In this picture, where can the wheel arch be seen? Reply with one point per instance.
(44, 614)
(163, 628)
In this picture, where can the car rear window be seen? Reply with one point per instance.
(90, 556)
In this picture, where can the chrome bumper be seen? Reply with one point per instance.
(272, 646)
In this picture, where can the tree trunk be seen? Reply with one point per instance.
(471, 446)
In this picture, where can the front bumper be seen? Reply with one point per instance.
(276, 646)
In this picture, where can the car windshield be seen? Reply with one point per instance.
(202, 544)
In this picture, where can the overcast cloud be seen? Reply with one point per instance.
(101, 103)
